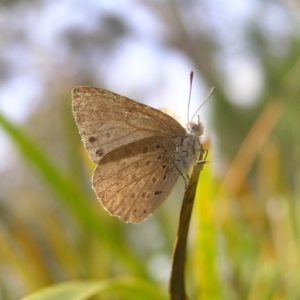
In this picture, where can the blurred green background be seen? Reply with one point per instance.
(244, 241)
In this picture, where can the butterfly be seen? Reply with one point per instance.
(140, 151)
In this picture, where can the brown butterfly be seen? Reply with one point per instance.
(140, 152)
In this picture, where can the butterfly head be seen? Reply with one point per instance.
(195, 128)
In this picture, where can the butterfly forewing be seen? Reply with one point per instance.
(107, 121)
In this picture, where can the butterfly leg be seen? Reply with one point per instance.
(181, 174)
(203, 161)
(202, 151)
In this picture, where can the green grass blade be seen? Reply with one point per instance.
(70, 195)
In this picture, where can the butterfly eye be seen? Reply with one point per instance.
(194, 127)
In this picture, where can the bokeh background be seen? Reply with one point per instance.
(244, 241)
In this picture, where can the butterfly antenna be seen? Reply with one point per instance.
(208, 96)
(191, 84)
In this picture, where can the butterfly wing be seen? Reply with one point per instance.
(133, 180)
(107, 121)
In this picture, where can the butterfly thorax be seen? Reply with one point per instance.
(188, 147)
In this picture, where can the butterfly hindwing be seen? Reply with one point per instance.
(133, 181)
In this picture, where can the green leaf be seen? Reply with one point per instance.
(128, 288)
